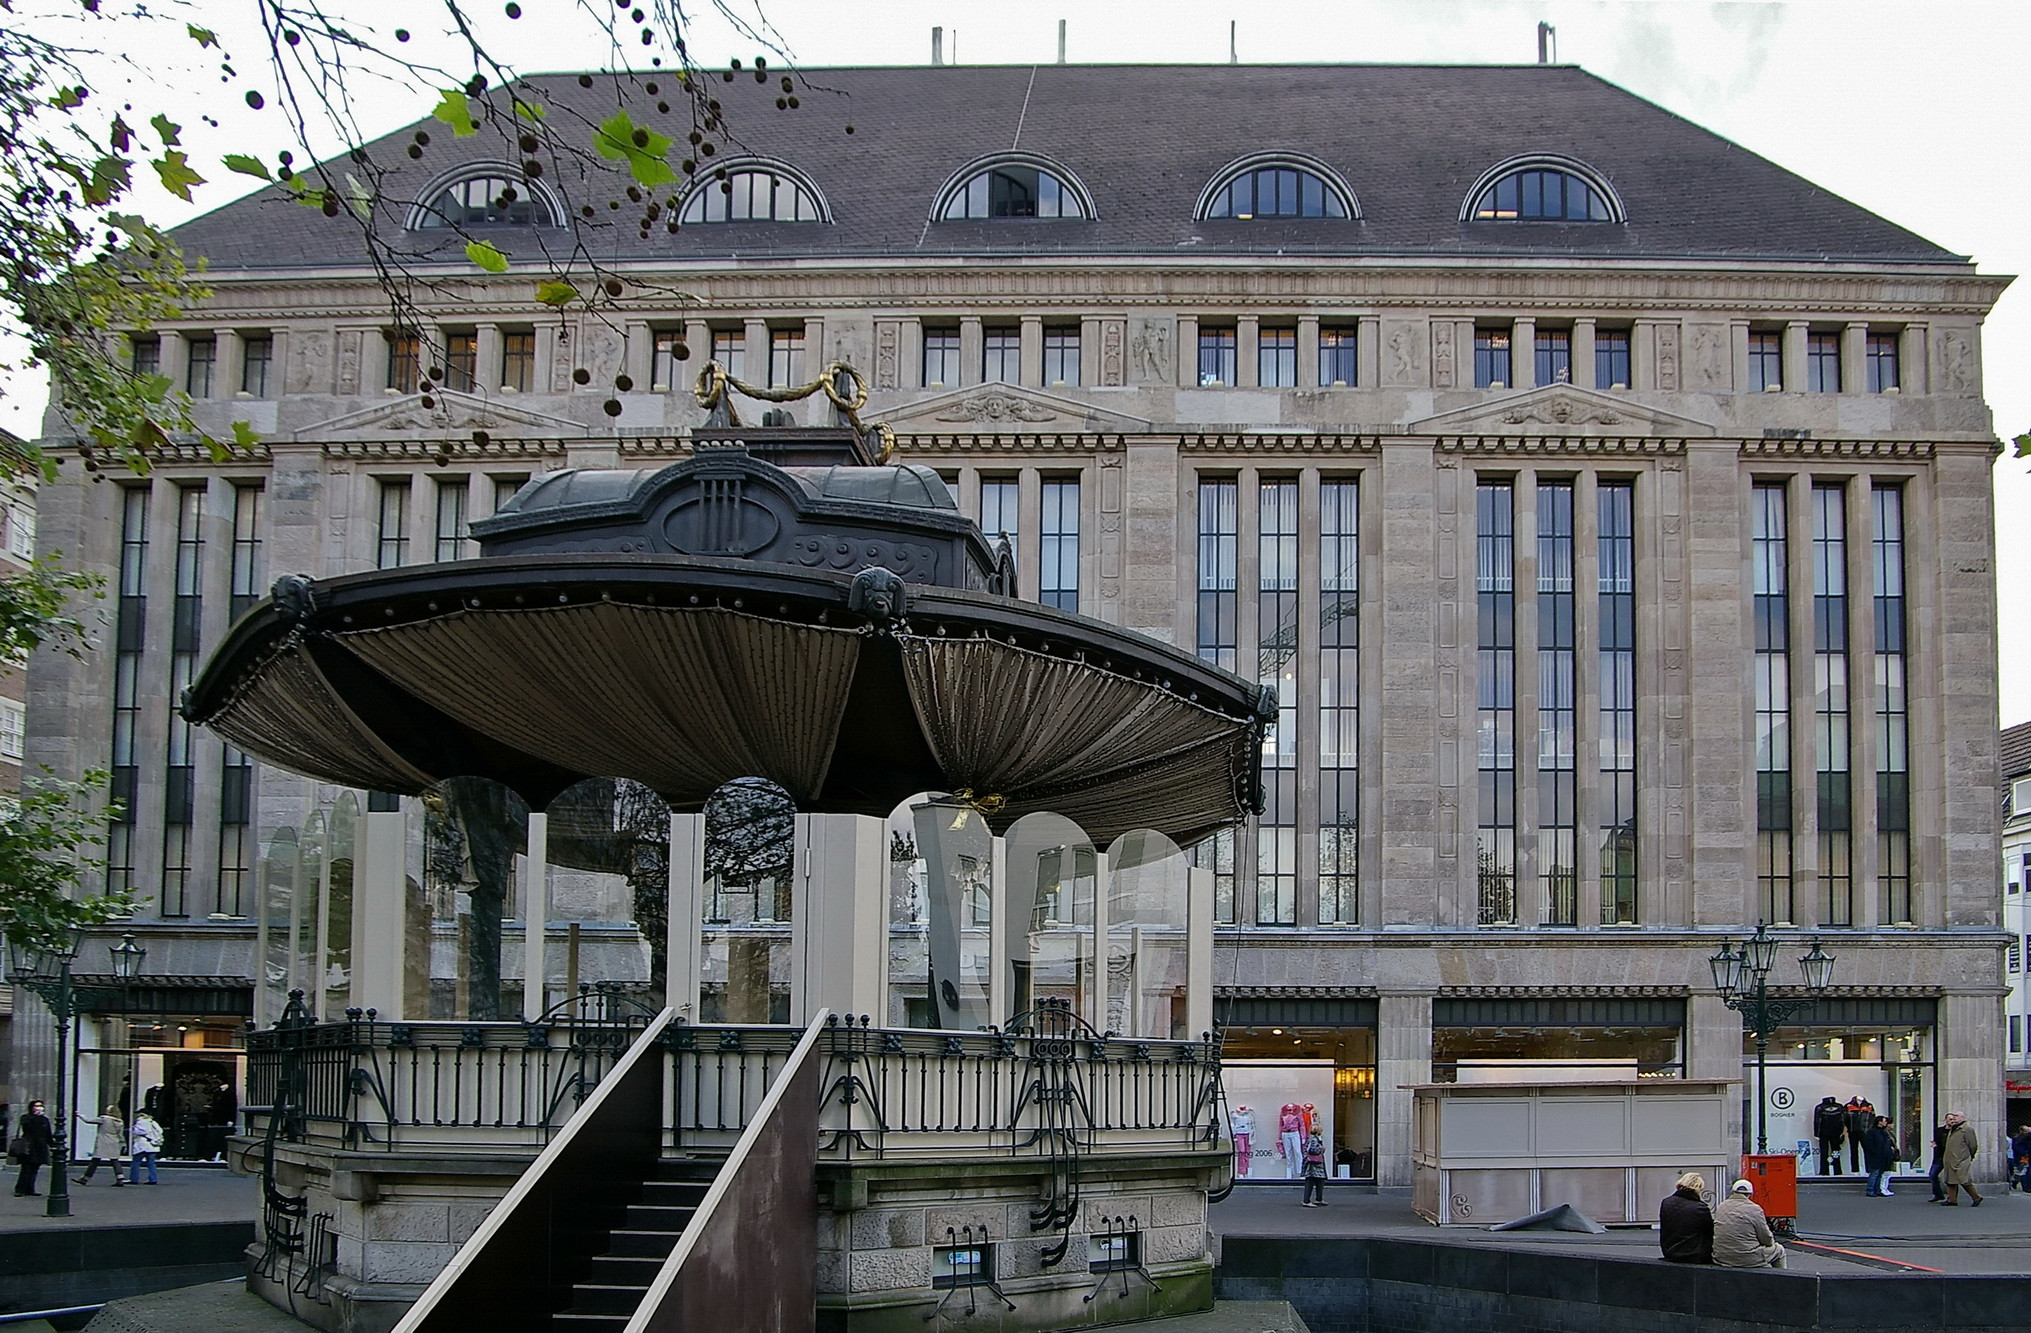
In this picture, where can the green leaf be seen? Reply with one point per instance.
(556, 292)
(109, 181)
(486, 256)
(530, 110)
(153, 388)
(247, 166)
(619, 139)
(121, 136)
(69, 99)
(358, 197)
(2023, 443)
(202, 36)
(455, 110)
(173, 167)
(167, 130)
(244, 436)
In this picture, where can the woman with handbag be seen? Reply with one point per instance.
(31, 1148)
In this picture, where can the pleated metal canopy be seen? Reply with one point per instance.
(848, 687)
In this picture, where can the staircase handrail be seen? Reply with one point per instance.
(796, 1092)
(639, 1074)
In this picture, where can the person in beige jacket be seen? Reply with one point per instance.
(1957, 1153)
(1742, 1236)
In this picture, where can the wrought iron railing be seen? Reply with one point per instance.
(368, 1083)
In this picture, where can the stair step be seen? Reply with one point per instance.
(620, 1270)
(658, 1217)
(675, 1193)
(579, 1321)
(603, 1298)
(628, 1242)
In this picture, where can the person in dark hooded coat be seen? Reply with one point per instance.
(1685, 1225)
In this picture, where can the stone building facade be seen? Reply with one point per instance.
(1610, 507)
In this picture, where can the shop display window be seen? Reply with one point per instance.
(1826, 1082)
(1326, 1073)
(1506, 1053)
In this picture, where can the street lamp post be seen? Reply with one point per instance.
(1743, 979)
(47, 972)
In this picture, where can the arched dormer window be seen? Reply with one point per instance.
(1277, 186)
(1013, 187)
(494, 195)
(755, 191)
(1542, 189)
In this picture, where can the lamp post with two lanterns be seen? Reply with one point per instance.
(1743, 979)
(45, 970)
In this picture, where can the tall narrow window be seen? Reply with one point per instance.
(405, 362)
(454, 496)
(786, 358)
(1217, 855)
(147, 350)
(1893, 735)
(1611, 359)
(179, 786)
(393, 550)
(941, 358)
(1616, 811)
(1554, 356)
(1766, 362)
(257, 353)
(236, 775)
(1495, 590)
(1001, 356)
(505, 489)
(1058, 545)
(246, 548)
(1491, 358)
(128, 640)
(1337, 361)
(1216, 358)
(1276, 623)
(1276, 358)
(1823, 362)
(518, 360)
(1883, 368)
(461, 361)
(729, 348)
(1557, 774)
(1830, 703)
(197, 371)
(1061, 355)
(1770, 586)
(999, 507)
(1339, 702)
(1219, 535)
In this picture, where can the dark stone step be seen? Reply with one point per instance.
(598, 1298)
(620, 1270)
(631, 1243)
(675, 1193)
(657, 1217)
(578, 1321)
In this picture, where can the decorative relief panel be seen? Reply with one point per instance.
(1403, 354)
(1113, 340)
(349, 361)
(1152, 353)
(560, 360)
(1667, 357)
(888, 337)
(1956, 369)
(310, 361)
(1442, 354)
(1707, 358)
(912, 561)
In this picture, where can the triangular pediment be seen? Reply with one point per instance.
(1562, 409)
(449, 413)
(1002, 408)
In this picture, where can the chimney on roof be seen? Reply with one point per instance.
(1061, 41)
(1233, 58)
(1547, 42)
(938, 46)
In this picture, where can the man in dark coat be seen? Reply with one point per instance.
(37, 1135)
(1938, 1162)
(1879, 1154)
(1685, 1225)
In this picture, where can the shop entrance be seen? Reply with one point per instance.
(1314, 1057)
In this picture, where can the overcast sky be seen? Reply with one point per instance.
(1913, 110)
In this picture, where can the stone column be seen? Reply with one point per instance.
(1723, 816)
(816, 410)
(1404, 590)
(379, 914)
(1308, 351)
(1523, 354)
(1368, 350)
(486, 372)
(1583, 354)
(1247, 339)
(1187, 351)
(1403, 1057)
(842, 915)
(1532, 903)
(174, 364)
(1912, 359)
(227, 371)
(1738, 353)
(1964, 709)
(1089, 352)
(1855, 357)
(754, 352)
(970, 350)
(1969, 1048)
(1794, 356)
(535, 910)
(687, 890)
(1805, 904)
(1032, 357)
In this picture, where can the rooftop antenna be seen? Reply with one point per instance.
(937, 46)
(1233, 56)
(1547, 43)
(1061, 41)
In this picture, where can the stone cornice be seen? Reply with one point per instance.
(1914, 450)
(432, 450)
(1280, 444)
(1578, 445)
(1056, 442)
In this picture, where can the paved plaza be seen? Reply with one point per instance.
(186, 1194)
(1992, 1239)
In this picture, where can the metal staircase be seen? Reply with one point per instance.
(622, 1272)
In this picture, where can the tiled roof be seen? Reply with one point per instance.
(1146, 140)
(2014, 750)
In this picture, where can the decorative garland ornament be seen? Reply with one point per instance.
(715, 388)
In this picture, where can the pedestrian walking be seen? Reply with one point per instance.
(1315, 1170)
(109, 1145)
(1958, 1152)
(1685, 1225)
(6, 1121)
(30, 1146)
(1879, 1154)
(1742, 1236)
(1938, 1162)
(146, 1144)
(2020, 1158)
